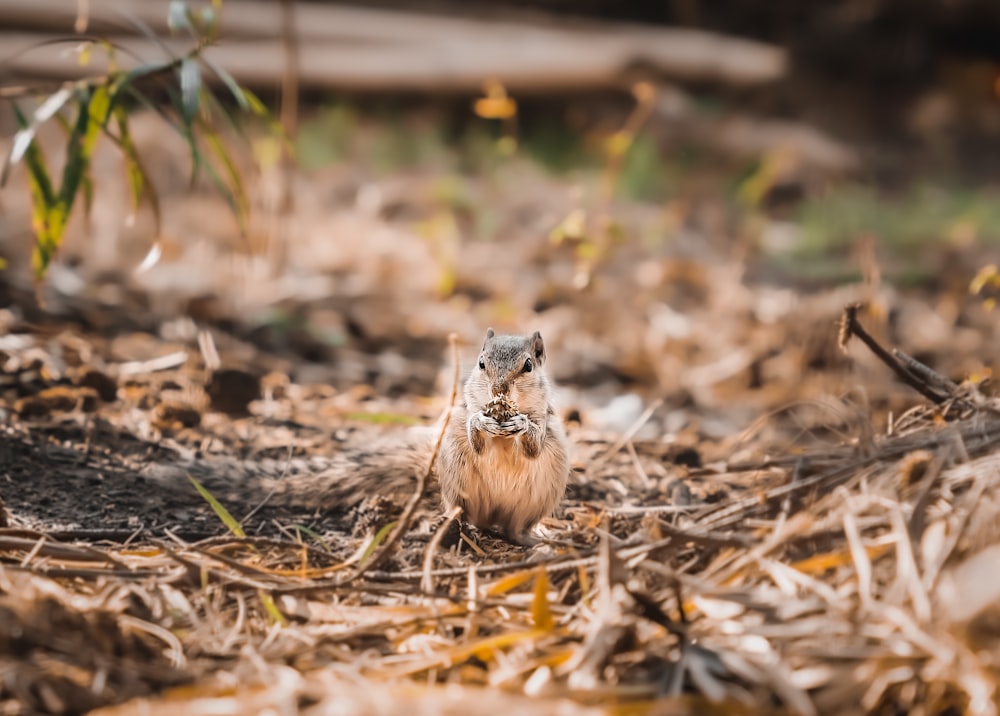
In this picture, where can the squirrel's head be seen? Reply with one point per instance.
(509, 364)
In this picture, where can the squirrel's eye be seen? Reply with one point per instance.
(527, 366)
(482, 364)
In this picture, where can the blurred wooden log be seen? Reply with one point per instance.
(359, 48)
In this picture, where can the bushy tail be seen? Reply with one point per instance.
(336, 483)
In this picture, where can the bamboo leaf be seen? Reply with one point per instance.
(256, 106)
(209, 101)
(206, 22)
(239, 94)
(136, 176)
(124, 82)
(77, 161)
(186, 130)
(153, 107)
(190, 79)
(234, 190)
(259, 109)
(223, 514)
(99, 113)
(87, 186)
(43, 201)
(26, 135)
(35, 163)
(178, 16)
(213, 107)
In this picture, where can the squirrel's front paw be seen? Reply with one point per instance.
(486, 424)
(516, 425)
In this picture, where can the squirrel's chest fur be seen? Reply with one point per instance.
(501, 486)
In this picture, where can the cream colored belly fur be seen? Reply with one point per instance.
(507, 489)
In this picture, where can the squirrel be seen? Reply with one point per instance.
(503, 459)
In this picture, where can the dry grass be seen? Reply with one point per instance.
(848, 571)
(861, 575)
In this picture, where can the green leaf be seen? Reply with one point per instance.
(35, 163)
(77, 161)
(99, 114)
(213, 107)
(138, 181)
(26, 135)
(230, 82)
(316, 536)
(153, 107)
(206, 23)
(186, 130)
(256, 106)
(190, 79)
(378, 539)
(124, 82)
(260, 110)
(223, 514)
(44, 209)
(234, 190)
(177, 16)
(273, 613)
(87, 185)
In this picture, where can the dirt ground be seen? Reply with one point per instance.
(757, 519)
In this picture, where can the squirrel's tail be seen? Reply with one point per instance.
(327, 483)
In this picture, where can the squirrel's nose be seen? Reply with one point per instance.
(500, 387)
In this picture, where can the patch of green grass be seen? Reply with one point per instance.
(327, 137)
(644, 174)
(403, 143)
(556, 148)
(383, 418)
(921, 217)
(231, 523)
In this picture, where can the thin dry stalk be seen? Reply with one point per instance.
(427, 581)
(850, 326)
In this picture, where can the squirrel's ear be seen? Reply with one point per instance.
(538, 346)
(489, 335)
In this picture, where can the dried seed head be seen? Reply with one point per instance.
(500, 408)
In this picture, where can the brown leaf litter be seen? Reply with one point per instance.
(857, 576)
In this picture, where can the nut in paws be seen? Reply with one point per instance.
(500, 408)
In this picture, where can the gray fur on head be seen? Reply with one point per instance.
(506, 351)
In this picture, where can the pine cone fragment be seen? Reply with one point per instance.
(500, 408)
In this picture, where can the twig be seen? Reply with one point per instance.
(423, 478)
(703, 538)
(167, 362)
(427, 581)
(850, 326)
(629, 434)
(644, 509)
(924, 371)
(643, 477)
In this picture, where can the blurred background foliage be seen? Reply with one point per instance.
(873, 118)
